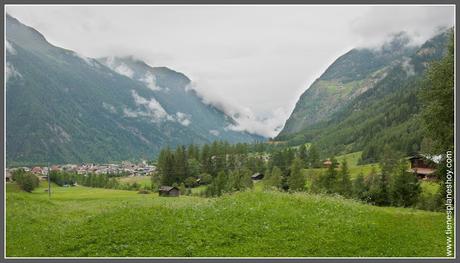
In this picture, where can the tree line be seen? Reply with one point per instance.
(108, 181)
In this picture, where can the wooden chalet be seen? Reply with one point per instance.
(422, 167)
(169, 191)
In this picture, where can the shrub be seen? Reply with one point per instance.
(26, 181)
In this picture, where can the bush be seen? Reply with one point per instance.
(26, 181)
(143, 191)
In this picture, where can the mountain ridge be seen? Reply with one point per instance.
(64, 107)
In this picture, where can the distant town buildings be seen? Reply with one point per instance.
(125, 168)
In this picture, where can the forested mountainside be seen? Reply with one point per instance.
(63, 107)
(373, 103)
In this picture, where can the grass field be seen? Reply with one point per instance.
(353, 167)
(141, 180)
(80, 221)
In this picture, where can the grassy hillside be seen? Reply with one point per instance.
(81, 221)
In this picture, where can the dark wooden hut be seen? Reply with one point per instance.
(169, 191)
(257, 176)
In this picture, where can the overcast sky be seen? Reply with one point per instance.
(254, 60)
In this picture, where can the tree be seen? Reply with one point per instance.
(360, 189)
(182, 189)
(296, 180)
(378, 185)
(303, 155)
(274, 180)
(329, 181)
(344, 183)
(437, 98)
(26, 181)
(406, 187)
(181, 164)
(205, 179)
(190, 181)
(313, 157)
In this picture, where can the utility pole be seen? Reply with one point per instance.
(49, 181)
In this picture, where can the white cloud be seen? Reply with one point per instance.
(377, 23)
(129, 113)
(109, 107)
(214, 132)
(153, 108)
(9, 48)
(11, 72)
(408, 67)
(121, 68)
(267, 125)
(124, 70)
(150, 80)
(87, 60)
(183, 119)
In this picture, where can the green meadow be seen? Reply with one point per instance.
(91, 222)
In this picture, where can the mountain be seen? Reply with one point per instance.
(349, 76)
(63, 107)
(371, 103)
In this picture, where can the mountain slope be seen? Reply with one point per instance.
(387, 114)
(349, 76)
(62, 107)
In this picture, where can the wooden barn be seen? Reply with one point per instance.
(169, 191)
(422, 167)
(257, 176)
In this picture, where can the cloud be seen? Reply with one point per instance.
(109, 107)
(130, 113)
(268, 126)
(150, 80)
(374, 26)
(245, 119)
(11, 72)
(183, 119)
(87, 60)
(9, 48)
(408, 67)
(214, 132)
(153, 108)
(121, 68)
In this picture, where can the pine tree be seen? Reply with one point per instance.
(360, 189)
(274, 180)
(313, 157)
(406, 187)
(329, 181)
(296, 180)
(303, 155)
(344, 185)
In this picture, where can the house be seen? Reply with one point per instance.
(55, 168)
(37, 170)
(169, 191)
(422, 167)
(327, 163)
(257, 176)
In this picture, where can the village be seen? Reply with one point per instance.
(125, 168)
